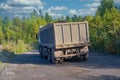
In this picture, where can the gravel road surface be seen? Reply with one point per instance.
(30, 66)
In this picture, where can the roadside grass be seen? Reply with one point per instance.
(17, 48)
(10, 49)
(1, 66)
(2, 59)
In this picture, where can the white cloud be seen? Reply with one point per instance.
(90, 0)
(21, 12)
(24, 2)
(116, 0)
(73, 12)
(90, 8)
(55, 11)
(93, 5)
(5, 6)
(55, 15)
(28, 8)
(97, 0)
(93, 9)
(25, 7)
(87, 11)
(83, 12)
(58, 8)
(20, 7)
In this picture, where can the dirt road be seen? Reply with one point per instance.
(30, 66)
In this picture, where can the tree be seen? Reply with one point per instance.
(48, 18)
(80, 18)
(105, 4)
(17, 22)
(88, 18)
(68, 19)
(1, 35)
(1, 21)
(74, 18)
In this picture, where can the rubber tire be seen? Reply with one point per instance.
(49, 56)
(40, 51)
(53, 60)
(61, 61)
(85, 57)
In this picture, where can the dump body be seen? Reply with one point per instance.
(64, 37)
(71, 34)
(46, 35)
(59, 35)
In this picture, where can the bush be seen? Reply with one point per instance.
(117, 46)
(20, 47)
(16, 48)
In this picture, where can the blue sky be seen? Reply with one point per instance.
(71, 7)
(55, 8)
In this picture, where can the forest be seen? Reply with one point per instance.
(19, 34)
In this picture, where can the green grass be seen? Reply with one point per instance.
(16, 48)
(1, 65)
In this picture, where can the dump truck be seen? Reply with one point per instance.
(59, 41)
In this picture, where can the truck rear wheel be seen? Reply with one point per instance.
(49, 55)
(53, 60)
(85, 57)
(43, 53)
(61, 60)
(40, 51)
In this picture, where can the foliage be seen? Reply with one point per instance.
(16, 33)
(105, 4)
(24, 29)
(104, 29)
(20, 47)
(15, 48)
(48, 18)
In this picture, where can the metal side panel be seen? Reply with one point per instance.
(88, 37)
(83, 32)
(58, 31)
(70, 34)
(67, 33)
(75, 33)
(47, 36)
